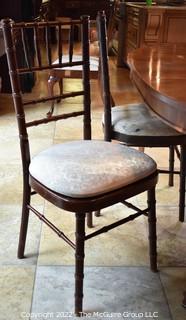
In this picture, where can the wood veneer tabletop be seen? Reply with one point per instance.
(160, 76)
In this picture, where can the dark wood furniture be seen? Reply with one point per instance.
(116, 31)
(152, 25)
(17, 10)
(47, 11)
(2, 49)
(76, 8)
(133, 124)
(78, 176)
(59, 74)
(160, 76)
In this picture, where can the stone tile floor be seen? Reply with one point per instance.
(118, 283)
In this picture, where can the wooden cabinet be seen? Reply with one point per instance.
(132, 28)
(152, 26)
(116, 31)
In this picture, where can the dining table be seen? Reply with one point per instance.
(159, 74)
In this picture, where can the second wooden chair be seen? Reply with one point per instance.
(134, 125)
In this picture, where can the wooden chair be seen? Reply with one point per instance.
(134, 125)
(78, 176)
(57, 75)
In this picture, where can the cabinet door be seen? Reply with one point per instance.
(174, 27)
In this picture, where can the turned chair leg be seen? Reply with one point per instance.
(97, 213)
(79, 262)
(182, 182)
(24, 221)
(152, 230)
(60, 88)
(171, 166)
(51, 82)
(89, 220)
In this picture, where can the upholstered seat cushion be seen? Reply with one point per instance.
(88, 168)
(94, 63)
(137, 119)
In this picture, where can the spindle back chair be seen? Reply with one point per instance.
(135, 125)
(79, 176)
(57, 75)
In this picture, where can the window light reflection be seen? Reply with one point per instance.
(154, 66)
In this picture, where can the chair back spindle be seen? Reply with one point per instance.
(48, 44)
(71, 44)
(16, 43)
(60, 52)
(37, 46)
(102, 38)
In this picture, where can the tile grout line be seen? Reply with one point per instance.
(36, 266)
(165, 295)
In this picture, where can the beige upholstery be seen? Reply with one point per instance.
(136, 119)
(88, 168)
(94, 63)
